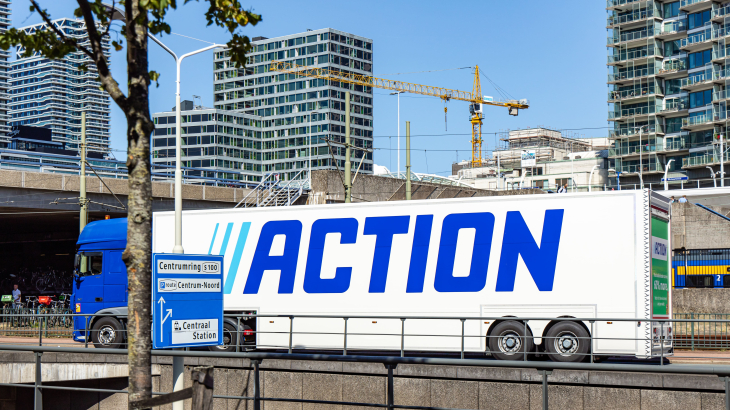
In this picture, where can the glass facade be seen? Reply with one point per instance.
(678, 105)
(4, 84)
(291, 109)
(53, 93)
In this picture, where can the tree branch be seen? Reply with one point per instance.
(107, 81)
(59, 33)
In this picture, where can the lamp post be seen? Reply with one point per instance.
(398, 93)
(309, 171)
(178, 248)
(712, 173)
(722, 161)
(641, 166)
(666, 183)
(590, 179)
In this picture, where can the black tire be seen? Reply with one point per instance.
(508, 341)
(567, 342)
(107, 333)
(230, 338)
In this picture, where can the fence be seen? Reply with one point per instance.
(544, 369)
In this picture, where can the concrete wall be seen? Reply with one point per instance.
(417, 385)
(327, 187)
(70, 183)
(696, 228)
(701, 300)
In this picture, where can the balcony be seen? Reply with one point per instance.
(644, 168)
(630, 112)
(697, 80)
(690, 6)
(721, 32)
(718, 96)
(674, 106)
(634, 150)
(634, 131)
(719, 14)
(628, 38)
(673, 28)
(636, 93)
(619, 3)
(676, 66)
(633, 17)
(701, 161)
(635, 56)
(696, 41)
(634, 74)
(719, 76)
(698, 121)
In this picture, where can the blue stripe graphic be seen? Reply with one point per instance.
(231, 278)
(210, 250)
(226, 236)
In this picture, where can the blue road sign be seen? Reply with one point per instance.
(674, 179)
(187, 298)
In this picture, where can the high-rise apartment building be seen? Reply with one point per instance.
(668, 87)
(296, 109)
(4, 68)
(219, 144)
(53, 93)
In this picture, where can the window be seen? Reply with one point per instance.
(697, 20)
(699, 281)
(674, 125)
(88, 263)
(671, 9)
(699, 59)
(671, 48)
(700, 99)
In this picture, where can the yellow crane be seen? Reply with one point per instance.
(475, 98)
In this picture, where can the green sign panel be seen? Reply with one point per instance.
(659, 267)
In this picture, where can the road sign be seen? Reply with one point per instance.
(187, 298)
(674, 179)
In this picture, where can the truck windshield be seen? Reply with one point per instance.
(88, 263)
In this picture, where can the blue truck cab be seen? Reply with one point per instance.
(100, 288)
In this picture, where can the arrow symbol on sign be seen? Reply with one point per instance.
(164, 318)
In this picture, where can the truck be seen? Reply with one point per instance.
(591, 270)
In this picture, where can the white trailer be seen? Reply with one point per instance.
(587, 255)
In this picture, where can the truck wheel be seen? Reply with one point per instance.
(508, 342)
(567, 342)
(107, 333)
(230, 337)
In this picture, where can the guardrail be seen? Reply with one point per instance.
(458, 335)
(544, 369)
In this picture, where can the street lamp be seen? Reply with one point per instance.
(178, 248)
(590, 179)
(309, 171)
(398, 93)
(641, 166)
(712, 172)
(666, 183)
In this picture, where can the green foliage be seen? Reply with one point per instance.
(154, 76)
(231, 15)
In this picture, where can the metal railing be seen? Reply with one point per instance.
(635, 15)
(650, 51)
(634, 93)
(633, 36)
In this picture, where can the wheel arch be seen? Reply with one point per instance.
(505, 319)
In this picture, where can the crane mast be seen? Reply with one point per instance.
(474, 97)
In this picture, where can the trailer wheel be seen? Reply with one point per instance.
(230, 339)
(107, 333)
(508, 341)
(567, 342)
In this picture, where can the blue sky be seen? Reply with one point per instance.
(555, 56)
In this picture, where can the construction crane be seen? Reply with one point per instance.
(475, 97)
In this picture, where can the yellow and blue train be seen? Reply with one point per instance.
(701, 268)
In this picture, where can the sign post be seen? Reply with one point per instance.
(187, 298)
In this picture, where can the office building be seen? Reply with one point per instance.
(219, 144)
(53, 93)
(294, 109)
(668, 81)
(4, 68)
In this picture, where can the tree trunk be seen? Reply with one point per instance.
(138, 254)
